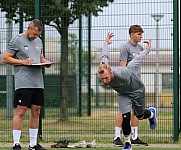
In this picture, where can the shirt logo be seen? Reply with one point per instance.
(38, 48)
(19, 101)
(26, 47)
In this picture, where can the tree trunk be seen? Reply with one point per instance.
(64, 73)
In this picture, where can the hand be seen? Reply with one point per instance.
(28, 61)
(148, 46)
(48, 65)
(108, 38)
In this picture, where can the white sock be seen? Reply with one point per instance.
(127, 139)
(33, 137)
(16, 136)
(117, 132)
(134, 131)
(152, 114)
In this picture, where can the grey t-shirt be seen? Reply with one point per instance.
(22, 48)
(125, 80)
(128, 52)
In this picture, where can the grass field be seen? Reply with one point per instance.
(116, 148)
(99, 126)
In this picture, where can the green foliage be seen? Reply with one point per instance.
(53, 12)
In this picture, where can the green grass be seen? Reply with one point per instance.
(99, 126)
(134, 148)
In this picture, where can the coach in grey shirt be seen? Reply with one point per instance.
(23, 51)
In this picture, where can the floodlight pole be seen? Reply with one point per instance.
(157, 18)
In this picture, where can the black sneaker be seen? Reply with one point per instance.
(60, 144)
(37, 147)
(118, 142)
(17, 147)
(138, 142)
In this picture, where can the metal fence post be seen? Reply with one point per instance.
(9, 75)
(89, 67)
(176, 69)
(80, 68)
(37, 16)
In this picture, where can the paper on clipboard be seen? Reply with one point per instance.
(42, 64)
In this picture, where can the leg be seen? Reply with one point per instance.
(117, 139)
(124, 106)
(18, 117)
(151, 115)
(134, 130)
(34, 121)
(37, 100)
(142, 113)
(17, 125)
(127, 130)
(34, 116)
(134, 126)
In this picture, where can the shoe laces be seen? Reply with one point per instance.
(118, 139)
(138, 139)
(127, 145)
(152, 121)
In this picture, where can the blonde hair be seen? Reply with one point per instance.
(103, 67)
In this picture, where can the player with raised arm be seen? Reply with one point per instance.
(124, 81)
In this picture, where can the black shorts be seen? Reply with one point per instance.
(29, 96)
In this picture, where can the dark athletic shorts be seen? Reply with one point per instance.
(29, 96)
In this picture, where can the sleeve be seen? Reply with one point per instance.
(42, 49)
(13, 45)
(123, 72)
(105, 54)
(123, 53)
(136, 61)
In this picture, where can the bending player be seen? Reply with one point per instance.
(123, 80)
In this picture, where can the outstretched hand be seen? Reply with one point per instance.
(148, 42)
(108, 38)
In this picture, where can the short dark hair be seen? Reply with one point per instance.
(135, 28)
(36, 23)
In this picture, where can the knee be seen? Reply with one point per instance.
(35, 112)
(20, 111)
(145, 115)
(126, 123)
(140, 117)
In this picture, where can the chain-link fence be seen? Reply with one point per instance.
(73, 40)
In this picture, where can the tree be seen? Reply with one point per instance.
(59, 14)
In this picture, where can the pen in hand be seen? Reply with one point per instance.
(29, 61)
(26, 60)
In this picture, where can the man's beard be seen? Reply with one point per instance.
(31, 39)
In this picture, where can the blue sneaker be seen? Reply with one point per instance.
(127, 146)
(153, 121)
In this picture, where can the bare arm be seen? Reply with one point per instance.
(9, 59)
(105, 51)
(123, 63)
(43, 60)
